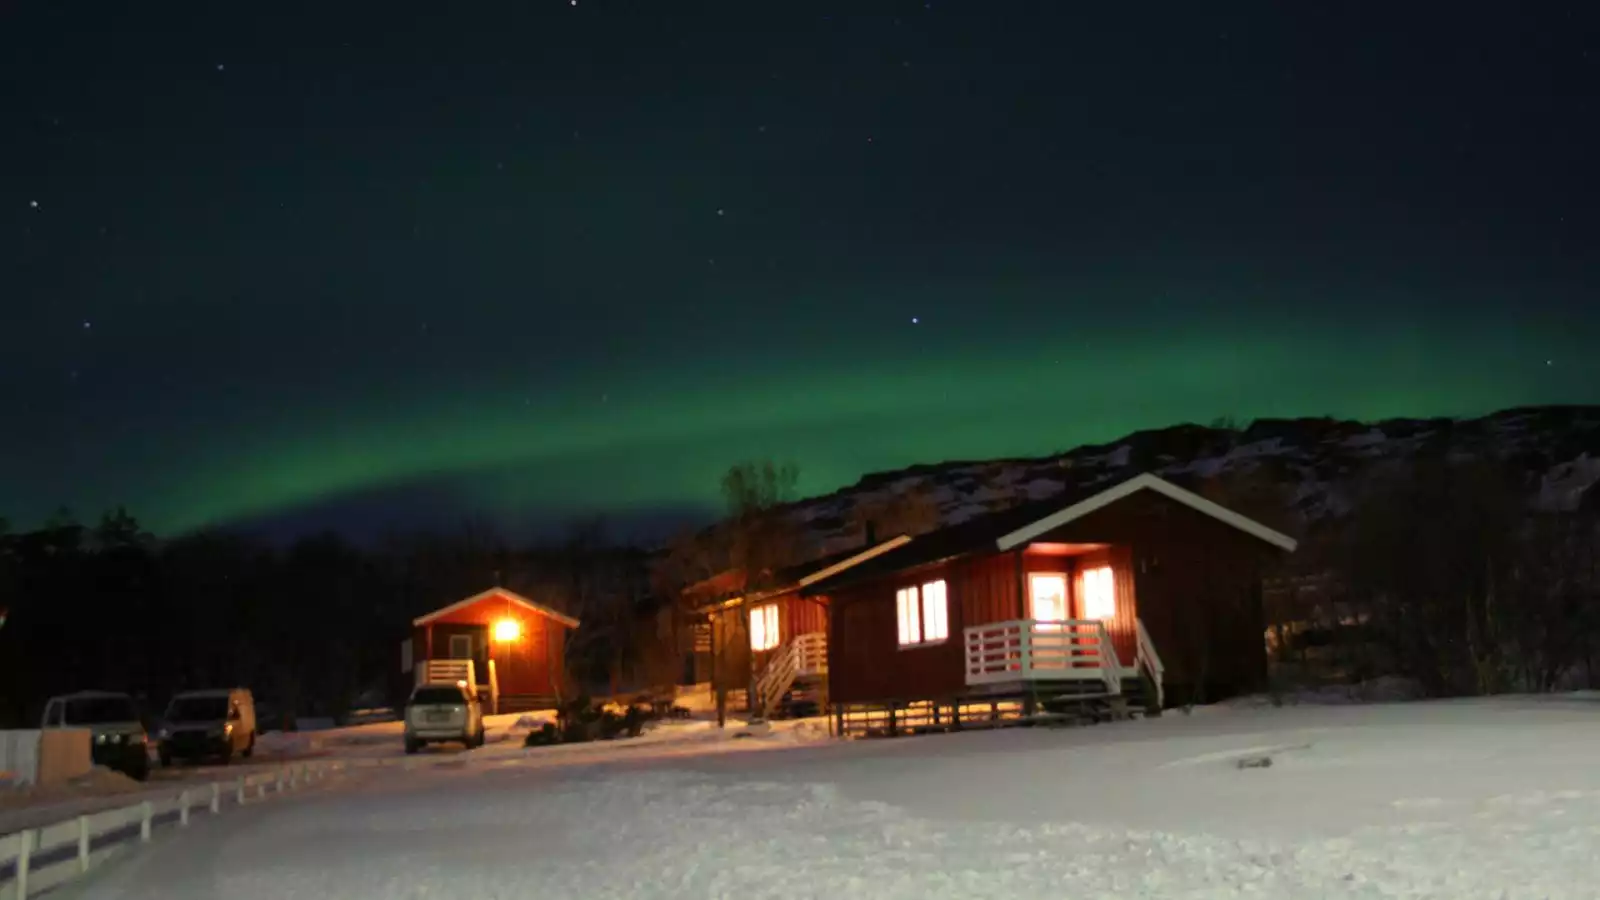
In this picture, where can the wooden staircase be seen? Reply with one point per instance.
(795, 681)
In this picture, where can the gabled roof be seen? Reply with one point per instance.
(1015, 527)
(514, 598)
(810, 573)
(1133, 485)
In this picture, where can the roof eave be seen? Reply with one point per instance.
(1147, 481)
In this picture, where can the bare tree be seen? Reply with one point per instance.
(762, 540)
(1430, 555)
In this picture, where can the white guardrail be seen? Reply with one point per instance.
(36, 860)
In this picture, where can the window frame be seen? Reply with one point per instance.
(1066, 600)
(912, 607)
(767, 614)
(1089, 594)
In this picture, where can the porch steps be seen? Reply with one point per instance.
(807, 696)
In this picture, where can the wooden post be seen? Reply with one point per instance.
(1022, 586)
(216, 798)
(147, 814)
(183, 808)
(83, 843)
(239, 797)
(717, 683)
(24, 856)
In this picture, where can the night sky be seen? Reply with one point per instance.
(359, 265)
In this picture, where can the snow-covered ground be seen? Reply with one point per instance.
(1472, 799)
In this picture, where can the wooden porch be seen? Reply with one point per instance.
(1024, 672)
(484, 682)
(1003, 657)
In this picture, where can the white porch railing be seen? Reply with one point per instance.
(1025, 650)
(1150, 661)
(812, 649)
(446, 671)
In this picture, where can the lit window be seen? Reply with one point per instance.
(924, 614)
(1099, 594)
(764, 627)
(935, 612)
(905, 602)
(1048, 594)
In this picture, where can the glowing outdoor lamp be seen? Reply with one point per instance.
(507, 630)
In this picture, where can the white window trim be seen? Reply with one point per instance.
(767, 616)
(1089, 595)
(908, 617)
(1066, 597)
(911, 604)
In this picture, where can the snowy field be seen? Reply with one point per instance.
(1473, 799)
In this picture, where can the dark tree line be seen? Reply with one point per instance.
(314, 627)
(1448, 572)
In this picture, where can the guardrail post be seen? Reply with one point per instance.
(83, 843)
(147, 814)
(294, 777)
(239, 793)
(24, 855)
(183, 808)
(216, 798)
(279, 787)
(261, 790)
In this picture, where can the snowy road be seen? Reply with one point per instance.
(1495, 799)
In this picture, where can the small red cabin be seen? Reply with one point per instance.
(1144, 589)
(774, 641)
(510, 648)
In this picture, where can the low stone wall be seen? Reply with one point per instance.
(44, 757)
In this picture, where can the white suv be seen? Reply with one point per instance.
(443, 712)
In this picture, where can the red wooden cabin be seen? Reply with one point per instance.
(1142, 590)
(510, 648)
(783, 651)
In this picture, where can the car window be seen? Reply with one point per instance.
(195, 709)
(100, 710)
(429, 696)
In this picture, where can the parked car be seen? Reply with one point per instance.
(443, 713)
(117, 736)
(212, 723)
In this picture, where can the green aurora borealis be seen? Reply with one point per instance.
(369, 271)
(649, 445)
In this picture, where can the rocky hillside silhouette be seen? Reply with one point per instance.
(1313, 467)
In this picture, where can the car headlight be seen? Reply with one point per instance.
(227, 729)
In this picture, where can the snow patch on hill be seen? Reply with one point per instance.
(1320, 463)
